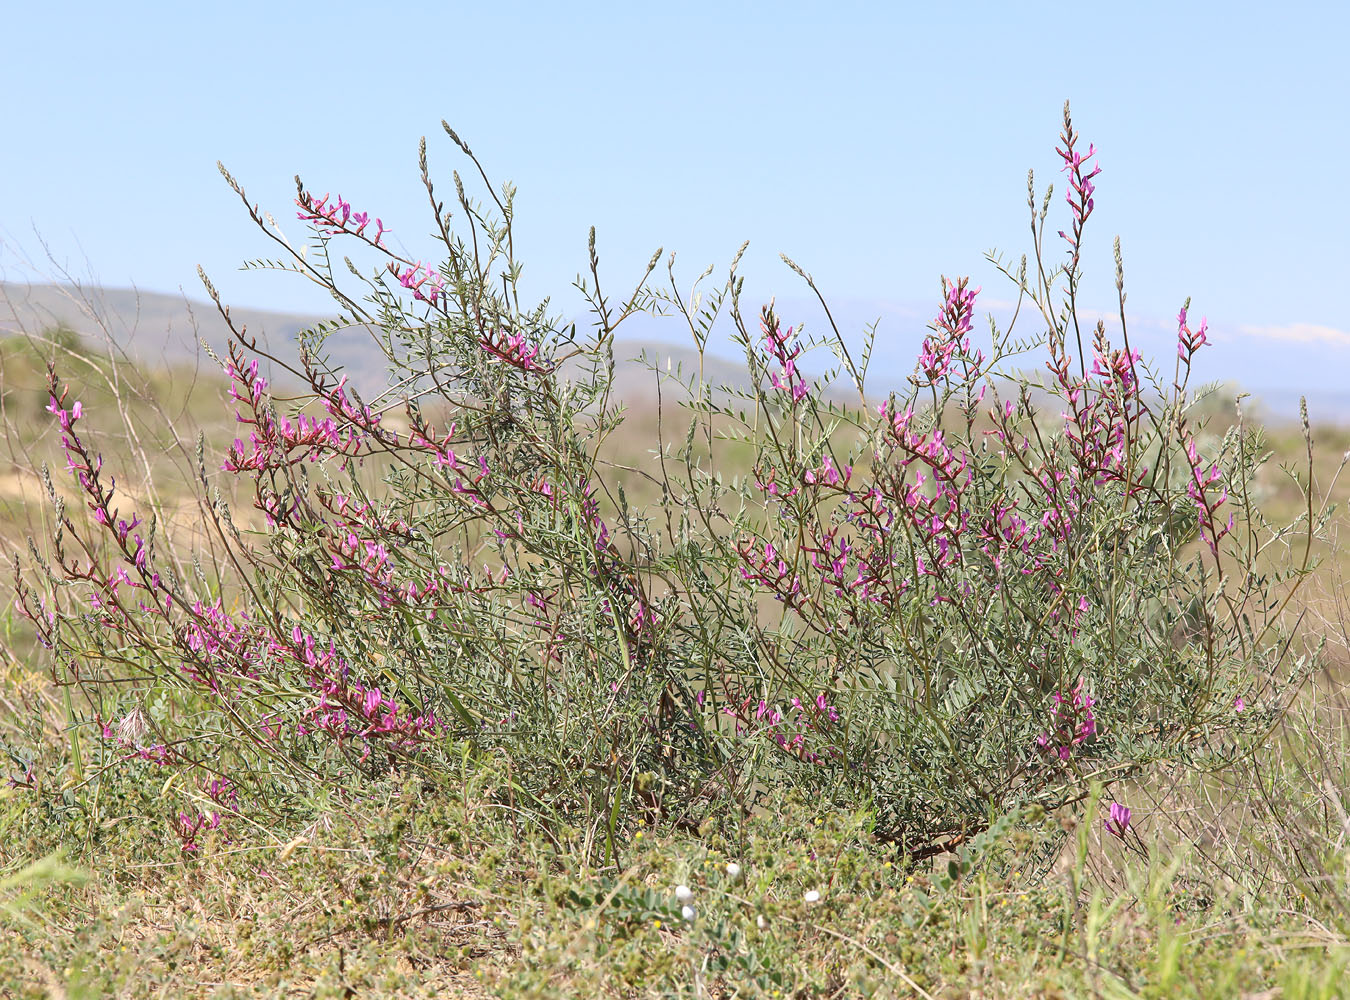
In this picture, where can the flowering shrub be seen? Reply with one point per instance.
(975, 593)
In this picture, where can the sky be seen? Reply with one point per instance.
(879, 145)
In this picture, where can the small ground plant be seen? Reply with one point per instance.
(943, 603)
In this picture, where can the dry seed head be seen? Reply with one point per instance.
(458, 141)
(133, 727)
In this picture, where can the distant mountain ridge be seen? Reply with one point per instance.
(154, 328)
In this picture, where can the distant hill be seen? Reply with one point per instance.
(153, 328)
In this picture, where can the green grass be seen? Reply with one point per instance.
(1234, 885)
(425, 890)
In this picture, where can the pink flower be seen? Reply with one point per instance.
(950, 329)
(1189, 342)
(1118, 821)
(780, 346)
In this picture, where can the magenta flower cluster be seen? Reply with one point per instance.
(1081, 189)
(951, 338)
(223, 653)
(783, 348)
(1072, 723)
(423, 280)
(337, 217)
(1189, 341)
(800, 731)
(1207, 502)
(515, 350)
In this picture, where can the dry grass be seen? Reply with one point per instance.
(1235, 884)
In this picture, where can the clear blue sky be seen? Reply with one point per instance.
(878, 144)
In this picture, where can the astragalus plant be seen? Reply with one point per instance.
(978, 591)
